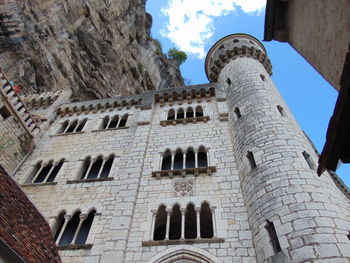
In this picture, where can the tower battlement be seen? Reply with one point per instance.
(231, 47)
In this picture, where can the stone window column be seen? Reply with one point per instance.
(109, 122)
(183, 212)
(92, 160)
(38, 172)
(184, 161)
(172, 161)
(48, 174)
(212, 209)
(102, 165)
(66, 219)
(66, 129)
(76, 127)
(196, 159)
(198, 212)
(82, 217)
(168, 214)
(154, 214)
(119, 119)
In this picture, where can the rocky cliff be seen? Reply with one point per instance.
(97, 48)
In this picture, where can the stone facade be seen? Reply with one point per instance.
(272, 197)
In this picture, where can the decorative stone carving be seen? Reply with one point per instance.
(183, 187)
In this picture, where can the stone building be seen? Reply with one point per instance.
(218, 172)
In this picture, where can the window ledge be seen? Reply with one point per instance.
(112, 129)
(90, 180)
(184, 121)
(74, 247)
(64, 134)
(181, 241)
(183, 172)
(39, 184)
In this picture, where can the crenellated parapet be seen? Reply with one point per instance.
(232, 47)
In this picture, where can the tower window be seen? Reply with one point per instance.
(4, 112)
(281, 110)
(262, 77)
(228, 81)
(273, 236)
(235, 40)
(198, 222)
(73, 229)
(251, 160)
(237, 112)
(309, 161)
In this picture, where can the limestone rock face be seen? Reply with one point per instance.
(96, 48)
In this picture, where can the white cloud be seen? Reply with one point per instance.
(191, 22)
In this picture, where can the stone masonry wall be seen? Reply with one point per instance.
(310, 213)
(221, 189)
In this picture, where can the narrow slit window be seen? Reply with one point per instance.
(160, 224)
(190, 222)
(273, 236)
(281, 110)
(228, 81)
(238, 113)
(251, 160)
(309, 160)
(263, 78)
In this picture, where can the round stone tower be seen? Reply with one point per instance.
(294, 215)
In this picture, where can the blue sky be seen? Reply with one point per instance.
(194, 29)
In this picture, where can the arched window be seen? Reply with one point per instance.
(47, 173)
(175, 223)
(85, 228)
(114, 122)
(180, 114)
(171, 114)
(190, 222)
(58, 224)
(86, 165)
(178, 160)
(123, 121)
(107, 167)
(105, 122)
(69, 231)
(202, 157)
(160, 224)
(190, 159)
(75, 229)
(189, 112)
(166, 163)
(199, 111)
(72, 126)
(81, 125)
(206, 221)
(64, 127)
(95, 168)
